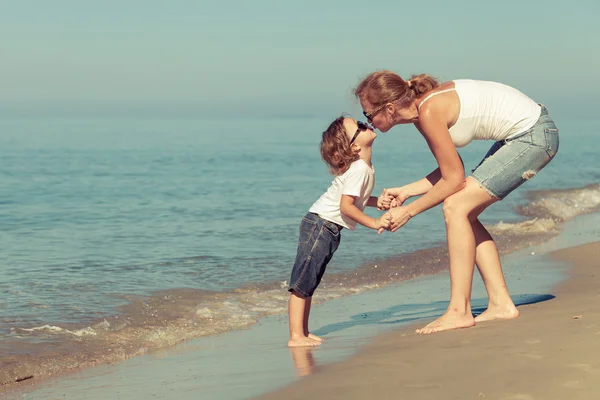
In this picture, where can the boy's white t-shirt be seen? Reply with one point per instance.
(359, 181)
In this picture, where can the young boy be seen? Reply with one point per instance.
(346, 147)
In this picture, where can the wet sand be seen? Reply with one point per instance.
(550, 352)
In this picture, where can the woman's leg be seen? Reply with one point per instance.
(459, 209)
(506, 166)
(500, 305)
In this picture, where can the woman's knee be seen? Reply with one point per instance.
(454, 208)
(468, 203)
(458, 207)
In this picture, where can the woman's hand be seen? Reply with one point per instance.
(399, 217)
(391, 198)
(398, 199)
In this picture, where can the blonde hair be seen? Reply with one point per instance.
(336, 149)
(382, 87)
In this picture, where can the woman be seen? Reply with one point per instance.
(450, 115)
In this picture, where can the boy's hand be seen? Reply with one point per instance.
(384, 222)
(384, 202)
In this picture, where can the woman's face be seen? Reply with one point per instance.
(386, 116)
(377, 116)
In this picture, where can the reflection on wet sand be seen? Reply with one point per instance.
(304, 361)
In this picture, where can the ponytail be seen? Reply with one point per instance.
(385, 86)
(421, 84)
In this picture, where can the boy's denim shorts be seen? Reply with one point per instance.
(318, 240)
(510, 163)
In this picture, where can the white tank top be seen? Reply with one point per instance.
(489, 111)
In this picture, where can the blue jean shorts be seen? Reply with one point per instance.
(510, 163)
(318, 240)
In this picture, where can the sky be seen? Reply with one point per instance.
(238, 58)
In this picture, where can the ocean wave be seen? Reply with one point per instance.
(58, 330)
(532, 226)
(562, 205)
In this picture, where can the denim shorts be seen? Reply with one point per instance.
(510, 163)
(318, 240)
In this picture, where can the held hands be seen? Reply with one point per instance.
(384, 201)
(390, 198)
(383, 223)
(397, 217)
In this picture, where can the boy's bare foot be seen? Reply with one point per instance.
(498, 312)
(303, 341)
(315, 337)
(448, 322)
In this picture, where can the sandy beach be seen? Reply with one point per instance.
(550, 352)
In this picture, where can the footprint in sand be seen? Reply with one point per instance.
(585, 368)
(422, 385)
(572, 384)
(533, 356)
(518, 396)
(533, 341)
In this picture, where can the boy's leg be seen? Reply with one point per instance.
(318, 241)
(297, 306)
(306, 315)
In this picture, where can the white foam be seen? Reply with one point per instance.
(89, 331)
(565, 204)
(543, 225)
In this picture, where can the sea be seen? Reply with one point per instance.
(124, 236)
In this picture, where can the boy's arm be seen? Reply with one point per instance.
(348, 208)
(372, 202)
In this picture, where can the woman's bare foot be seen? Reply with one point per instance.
(302, 341)
(498, 312)
(447, 322)
(315, 337)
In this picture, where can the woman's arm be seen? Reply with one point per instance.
(434, 128)
(416, 188)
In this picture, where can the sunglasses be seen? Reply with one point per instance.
(369, 115)
(361, 127)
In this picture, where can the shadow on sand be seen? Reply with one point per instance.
(405, 313)
(306, 364)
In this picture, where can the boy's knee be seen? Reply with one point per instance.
(296, 293)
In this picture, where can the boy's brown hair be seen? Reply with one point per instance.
(336, 149)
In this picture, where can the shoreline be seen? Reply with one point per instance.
(570, 235)
(547, 353)
(221, 366)
(19, 374)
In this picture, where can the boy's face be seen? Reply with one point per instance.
(363, 135)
